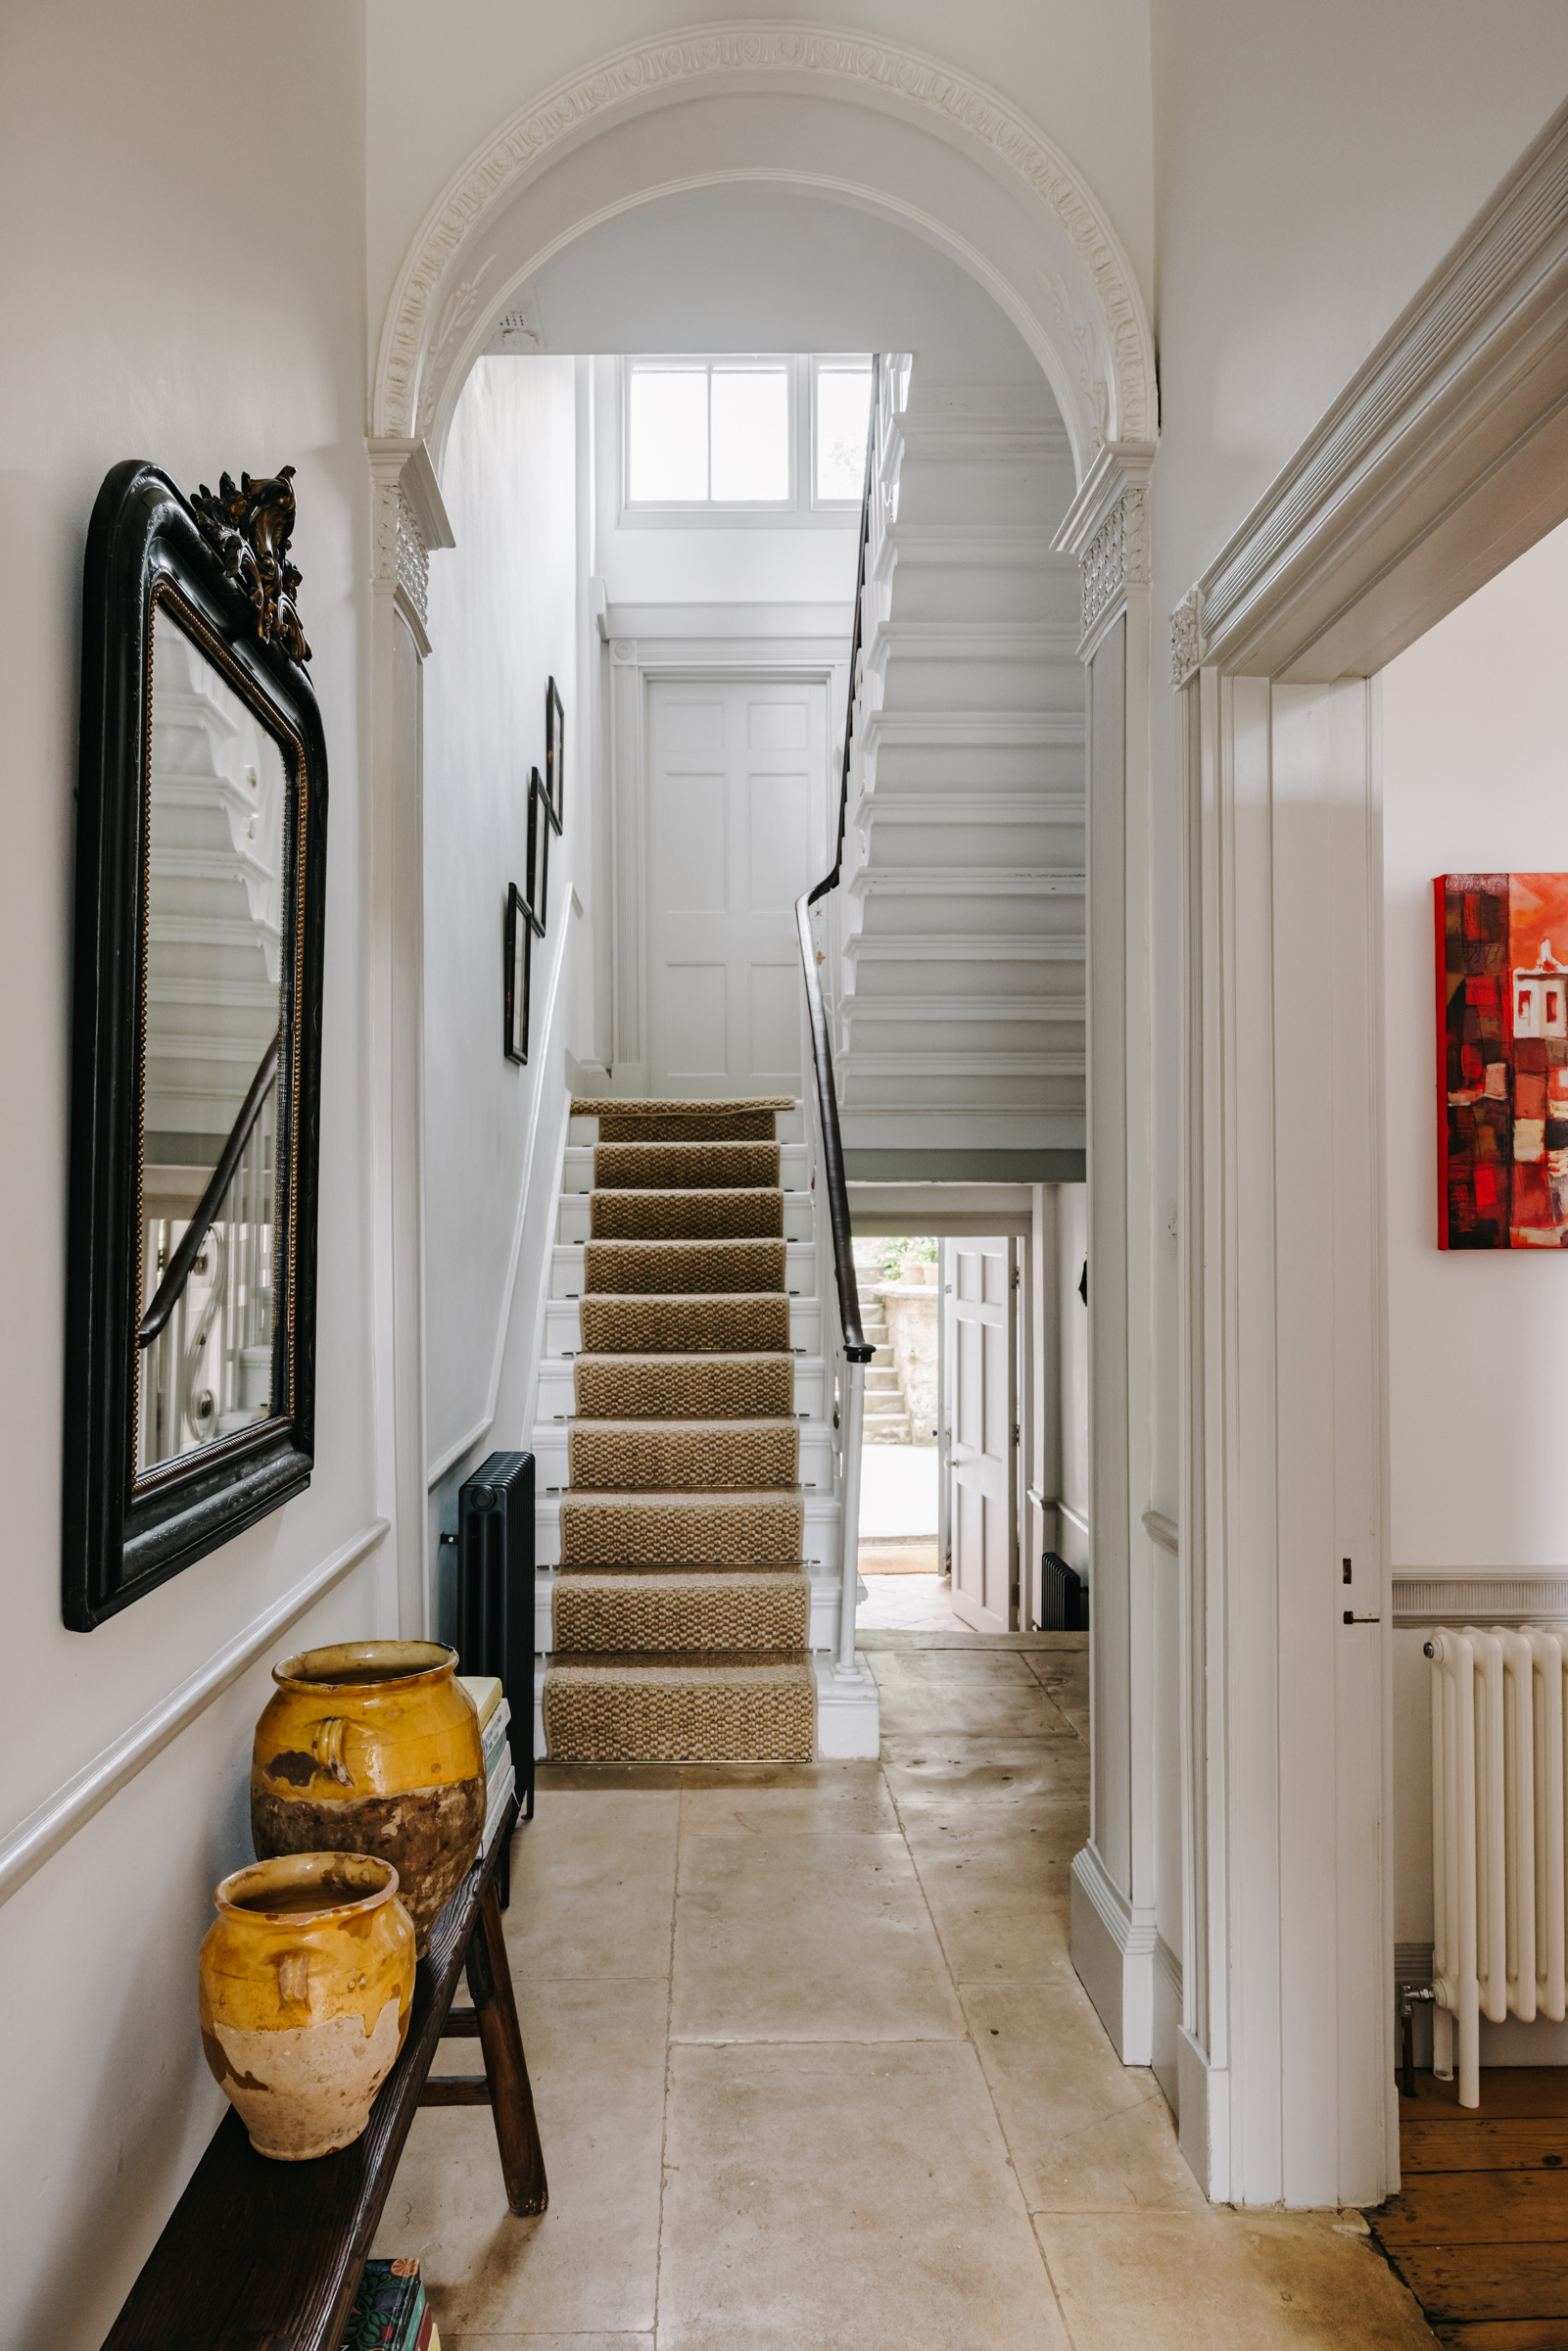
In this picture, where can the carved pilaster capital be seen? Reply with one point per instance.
(1186, 636)
(1107, 528)
(408, 521)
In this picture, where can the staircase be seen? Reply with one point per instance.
(961, 945)
(686, 1526)
(887, 1414)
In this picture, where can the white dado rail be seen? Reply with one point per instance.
(32, 1842)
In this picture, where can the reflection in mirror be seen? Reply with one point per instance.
(212, 1005)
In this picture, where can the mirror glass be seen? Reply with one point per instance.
(211, 1014)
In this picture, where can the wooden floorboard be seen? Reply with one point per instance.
(1505, 2335)
(1532, 2142)
(1479, 2231)
(1477, 2208)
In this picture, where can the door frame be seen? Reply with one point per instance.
(1444, 457)
(779, 656)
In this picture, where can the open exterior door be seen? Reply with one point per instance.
(979, 1308)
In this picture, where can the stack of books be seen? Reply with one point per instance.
(390, 2312)
(500, 1776)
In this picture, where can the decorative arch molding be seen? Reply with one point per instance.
(1093, 321)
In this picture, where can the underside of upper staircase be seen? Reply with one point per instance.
(960, 941)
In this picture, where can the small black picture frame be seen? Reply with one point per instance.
(537, 890)
(518, 973)
(555, 755)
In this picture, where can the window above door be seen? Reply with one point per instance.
(744, 439)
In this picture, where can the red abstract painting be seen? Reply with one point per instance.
(1503, 1061)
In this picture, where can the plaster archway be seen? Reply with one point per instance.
(871, 124)
(884, 126)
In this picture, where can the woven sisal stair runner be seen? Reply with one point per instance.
(681, 1605)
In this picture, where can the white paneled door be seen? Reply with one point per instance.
(979, 1306)
(737, 789)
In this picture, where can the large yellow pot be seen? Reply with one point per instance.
(305, 1982)
(373, 1746)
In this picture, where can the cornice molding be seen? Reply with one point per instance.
(1359, 544)
(683, 62)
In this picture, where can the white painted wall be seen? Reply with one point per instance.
(185, 295)
(506, 612)
(1475, 776)
(1308, 179)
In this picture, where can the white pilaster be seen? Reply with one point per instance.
(406, 520)
(1107, 529)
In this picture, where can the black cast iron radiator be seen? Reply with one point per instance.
(495, 1594)
(1064, 1596)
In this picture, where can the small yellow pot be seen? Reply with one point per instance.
(304, 1984)
(373, 1746)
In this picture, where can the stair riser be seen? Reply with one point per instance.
(898, 972)
(551, 1452)
(800, 1259)
(824, 1586)
(874, 1036)
(821, 1541)
(894, 914)
(558, 1394)
(953, 1093)
(978, 766)
(794, 1173)
(912, 847)
(848, 1725)
(572, 1224)
(563, 1326)
(1009, 490)
(967, 592)
(1045, 682)
(789, 1127)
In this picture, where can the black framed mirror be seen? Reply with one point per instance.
(201, 877)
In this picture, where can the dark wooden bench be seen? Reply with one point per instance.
(263, 2256)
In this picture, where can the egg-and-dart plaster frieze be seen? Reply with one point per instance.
(737, 48)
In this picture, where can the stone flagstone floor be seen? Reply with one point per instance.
(814, 2071)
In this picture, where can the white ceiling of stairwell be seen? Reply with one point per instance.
(758, 269)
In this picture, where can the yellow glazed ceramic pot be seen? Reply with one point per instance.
(373, 1746)
(304, 1984)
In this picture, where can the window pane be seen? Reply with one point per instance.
(752, 433)
(669, 433)
(843, 406)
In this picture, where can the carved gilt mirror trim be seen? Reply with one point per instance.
(200, 848)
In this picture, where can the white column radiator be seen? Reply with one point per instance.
(1498, 1813)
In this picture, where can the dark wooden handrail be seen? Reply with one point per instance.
(196, 1231)
(833, 1153)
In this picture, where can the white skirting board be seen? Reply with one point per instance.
(1114, 1956)
(848, 1712)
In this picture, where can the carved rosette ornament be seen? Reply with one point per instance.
(1186, 636)
(251, 528)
